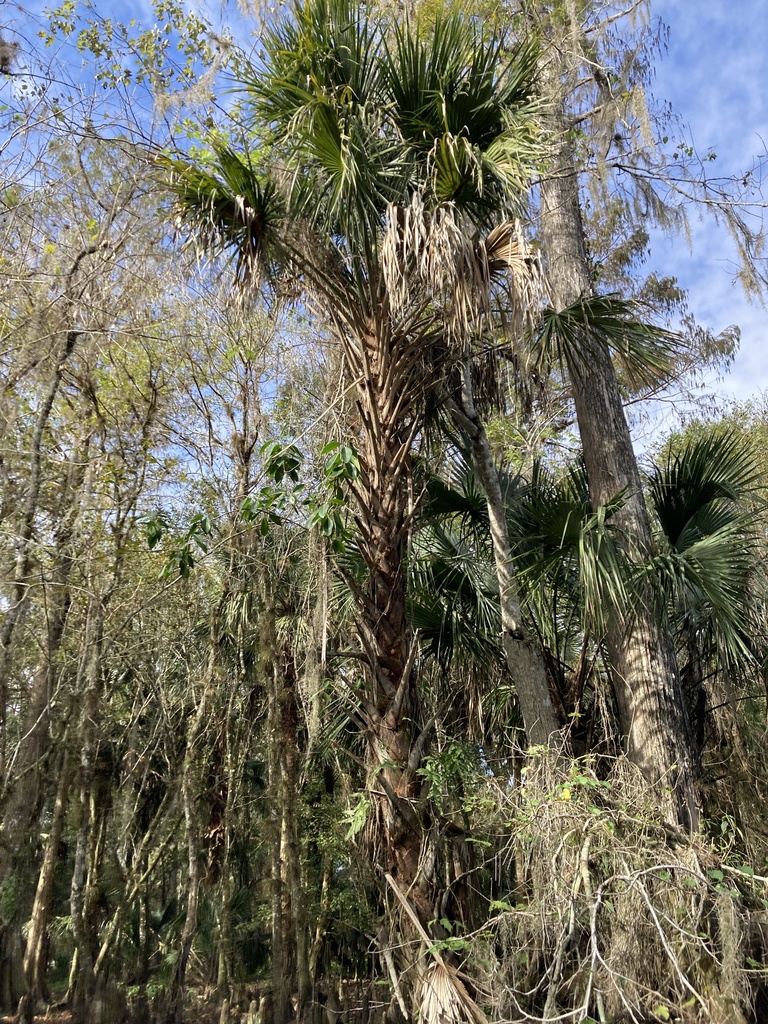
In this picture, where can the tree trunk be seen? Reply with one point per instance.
(291, 849)
(25, 783)
(190, 794)
(391, 709)
(646, 680)
(524, 659)
(281, 924)
(23, 556)
(81, 925)
(35, 956)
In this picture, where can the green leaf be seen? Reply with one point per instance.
(499, 905)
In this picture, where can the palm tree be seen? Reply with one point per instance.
(707, 569)
(381, 191)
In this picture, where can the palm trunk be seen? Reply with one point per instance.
(646, 680)
(524, 659)
(384, 522)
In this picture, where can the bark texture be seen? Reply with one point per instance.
(388, 403)
(36, 953)
(647, 685)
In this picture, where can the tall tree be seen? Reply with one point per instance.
(645, 674)
(395, 154)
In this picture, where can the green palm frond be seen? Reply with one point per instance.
(468, 105)
(323, 52)
(576, 336)
(704, 499)
(565, 547)
(465, 501)
(317, 96)
(699, 489)
(453, 597)
(228, 205)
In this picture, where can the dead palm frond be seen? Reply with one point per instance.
(432, 255)
(445, 999)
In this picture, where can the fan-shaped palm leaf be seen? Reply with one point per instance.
(229, 205)
(571, 336)
(703, 496)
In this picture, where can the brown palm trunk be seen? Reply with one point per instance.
(384, 523)
(646, 680)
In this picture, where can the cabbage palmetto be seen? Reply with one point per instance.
(385, 168)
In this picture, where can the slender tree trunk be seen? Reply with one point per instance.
(35, 956)
(24, 786)
(281, 924)
(290, 842)
(20, 591)
(24, 798)
(646, 680)
(524, 659)
(190, 792)
(81, 930)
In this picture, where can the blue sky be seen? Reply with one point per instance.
(714, 75)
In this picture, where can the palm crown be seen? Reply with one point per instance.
(351, 118)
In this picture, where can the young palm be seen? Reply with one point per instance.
(708, 570)
(387, 166)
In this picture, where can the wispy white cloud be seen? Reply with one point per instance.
(714, 76)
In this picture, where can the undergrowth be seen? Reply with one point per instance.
(615, 915)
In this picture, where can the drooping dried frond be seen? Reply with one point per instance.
(468, 277)
(445, 1000)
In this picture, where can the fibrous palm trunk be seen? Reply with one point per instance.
(647, 686)
(387, 400)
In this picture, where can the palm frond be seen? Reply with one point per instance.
(576, 336)
(703, 497)
(700, 488)
(431, 252)
(228, 204)
(468, 102)
(453, 597)
(564, 547)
